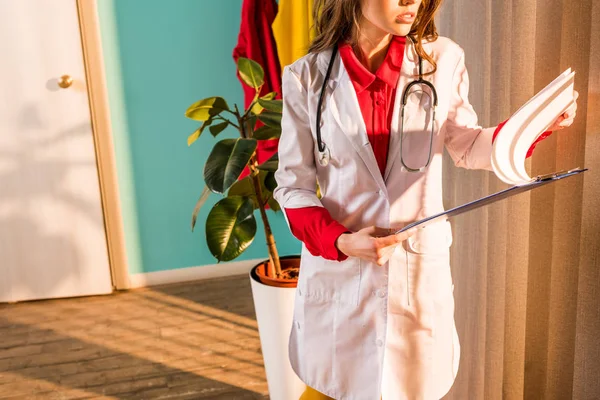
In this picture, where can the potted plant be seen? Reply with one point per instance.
(231, 224)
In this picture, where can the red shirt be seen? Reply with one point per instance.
(376, 93)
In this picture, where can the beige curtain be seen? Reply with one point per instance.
(527, 271)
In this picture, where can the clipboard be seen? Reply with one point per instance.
(536, 182)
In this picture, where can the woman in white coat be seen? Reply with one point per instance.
(374, 311)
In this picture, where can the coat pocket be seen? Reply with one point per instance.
(432, 239)
(326, 281)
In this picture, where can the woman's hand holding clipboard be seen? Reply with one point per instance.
(552, 107)
(373, 243)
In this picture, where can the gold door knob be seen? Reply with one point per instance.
(65, 81)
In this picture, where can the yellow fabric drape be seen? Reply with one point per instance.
(312, 394)
(292, 29)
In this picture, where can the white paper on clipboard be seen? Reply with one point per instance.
(533, 118)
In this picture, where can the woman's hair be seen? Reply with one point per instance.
(338, 20)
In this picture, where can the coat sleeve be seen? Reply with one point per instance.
(469, 145)
(296, 175)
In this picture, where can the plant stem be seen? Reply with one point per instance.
(219, 118)
(233, 113)
(274, 267)
(254, 101)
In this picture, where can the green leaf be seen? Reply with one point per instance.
(244, 187)
(266, 132)
(216, 129)
(272, 105)
(250, 123)
(226, 162)
(270, 118)
(269, 96)
(204, 109)
(194, 136)
(252, 120)
(251, 72)
(270, 165)
(256, 107)
(270, 182)
(273, 204)
(199, 204)
(230, 227)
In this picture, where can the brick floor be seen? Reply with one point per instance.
(186, 341)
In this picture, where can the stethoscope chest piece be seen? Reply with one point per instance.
(431, 101)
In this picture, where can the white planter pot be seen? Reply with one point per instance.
(274, 309)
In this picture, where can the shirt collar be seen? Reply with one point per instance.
(388, 71)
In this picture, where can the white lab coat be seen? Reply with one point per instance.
(361, 330)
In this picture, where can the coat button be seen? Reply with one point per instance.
(381, 293)
(379, 342)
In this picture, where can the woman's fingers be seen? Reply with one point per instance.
(569, 114)
(386, 241)
(384, 246)
(566, 118)
(374, 243)
(385, 255)
(566, 123)
(402, 236)
(571, 111)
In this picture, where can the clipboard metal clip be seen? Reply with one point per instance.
(553, 175)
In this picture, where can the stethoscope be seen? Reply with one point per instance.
(324, 153)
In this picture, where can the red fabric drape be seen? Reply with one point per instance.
(256, 42)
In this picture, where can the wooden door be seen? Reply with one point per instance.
(52, 235)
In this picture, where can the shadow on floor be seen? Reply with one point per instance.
(122, 359)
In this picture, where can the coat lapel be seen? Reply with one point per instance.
(346, 111)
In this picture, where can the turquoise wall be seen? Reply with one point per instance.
(161, 56)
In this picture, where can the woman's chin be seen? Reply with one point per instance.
(401, 29)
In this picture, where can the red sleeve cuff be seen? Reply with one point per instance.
(500, 125)
(532, 147)
(539, 139)
(315, 227)
(330, 235)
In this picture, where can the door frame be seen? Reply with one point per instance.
(89, 25)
